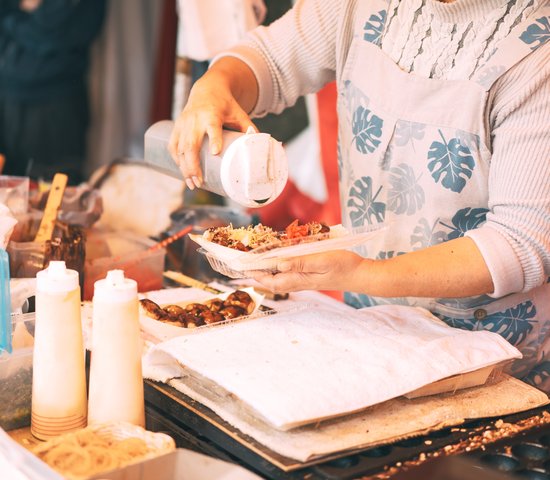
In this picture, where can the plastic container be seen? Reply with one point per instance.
(180, 464)
(183, 252)
(59, 402)
(236, 264)
(5, 303)
(116, 353)
(14, 193)
(16, 379)
(122, 251)
(251, 169)
(159, 331)
(28, 257)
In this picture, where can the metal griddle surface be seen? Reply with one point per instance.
(215, 436)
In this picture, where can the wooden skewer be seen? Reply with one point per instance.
(55, 198)
(172, 238)
(193, 282)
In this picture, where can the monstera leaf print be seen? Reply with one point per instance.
(469, 140)
(357, 300)
(363, 205)
(405, 195)
(425, 235)
(367, 130)
(388, 254)
(354, 97)
(374, 26)
(385, 159)
(406, 132)
(513, 324)
(451, 162)
(464, 220)
(360, 300)
(537, 33)
(539, 375)
(488, 75)
(462, 323)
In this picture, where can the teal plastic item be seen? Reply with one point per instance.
(5, 303)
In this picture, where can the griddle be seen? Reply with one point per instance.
(195, 426)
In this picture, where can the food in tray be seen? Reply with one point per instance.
(237, 304)
(251, 237)
(236, 252)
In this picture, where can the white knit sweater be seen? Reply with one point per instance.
(306, 48)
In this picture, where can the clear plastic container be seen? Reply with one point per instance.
(183, 252)
(122, 251)
(14, 192)
(159, 331)
(177, 465)
(28, 257)
(237, 264)
(16, 379)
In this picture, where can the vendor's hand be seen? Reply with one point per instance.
(29, 5)
(211, 106)
(337, 270)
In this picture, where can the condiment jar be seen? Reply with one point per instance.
(251, 169)
(116, 382)
(59, 376)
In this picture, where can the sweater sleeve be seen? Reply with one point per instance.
(293, 56)
(515, 240)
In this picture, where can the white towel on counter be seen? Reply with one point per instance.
(302, 366)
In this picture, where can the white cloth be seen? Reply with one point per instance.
(210, 26)
(298, 367)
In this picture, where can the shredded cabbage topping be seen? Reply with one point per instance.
(251, 237)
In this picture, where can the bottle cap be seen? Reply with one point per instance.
(254, 169)
(57, 278)
(115, 288)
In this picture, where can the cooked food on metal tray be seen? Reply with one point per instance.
(251, 237)
(238, 304)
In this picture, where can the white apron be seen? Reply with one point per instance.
(415, 153)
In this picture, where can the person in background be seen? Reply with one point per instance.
(44, 57)
(444, 138)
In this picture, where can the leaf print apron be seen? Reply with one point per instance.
(414, 153)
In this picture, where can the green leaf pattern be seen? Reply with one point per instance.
(425, 235)
(406, 196)
(367, 130)
(364, 209)
(407, 132)
(537, 34)
(451, 163)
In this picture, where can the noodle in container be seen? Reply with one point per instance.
(100, 448)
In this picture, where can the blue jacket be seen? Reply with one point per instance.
(45, 53)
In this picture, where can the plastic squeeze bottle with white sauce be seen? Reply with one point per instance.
(59, 375)
(116, 383)
(251, 169)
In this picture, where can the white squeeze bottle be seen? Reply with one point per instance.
(59, 375)
(116, 383)
(251, 169)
